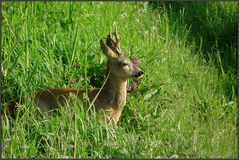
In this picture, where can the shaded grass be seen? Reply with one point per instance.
(180, 109)
(213, 27)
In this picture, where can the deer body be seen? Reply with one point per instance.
(111, 98)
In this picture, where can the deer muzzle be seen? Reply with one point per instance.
(139, 74)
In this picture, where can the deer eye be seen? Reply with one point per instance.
(124, 64)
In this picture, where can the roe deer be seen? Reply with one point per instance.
(111, 98)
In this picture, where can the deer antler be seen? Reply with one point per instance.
(114, 45)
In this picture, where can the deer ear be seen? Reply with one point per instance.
(107, 51)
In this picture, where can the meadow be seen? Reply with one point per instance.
(185, 106)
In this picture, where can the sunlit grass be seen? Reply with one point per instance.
(184, 107)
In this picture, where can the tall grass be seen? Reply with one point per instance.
(212, 25)
(181, 108)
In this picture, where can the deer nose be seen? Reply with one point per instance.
(140, 74)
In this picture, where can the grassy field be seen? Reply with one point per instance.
(185, 106)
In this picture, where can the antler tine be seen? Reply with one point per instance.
(117, 43)
(118, 39)
(114, 44)
(116, 34)
(110, 34)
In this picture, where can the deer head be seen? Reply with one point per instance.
(119, 64)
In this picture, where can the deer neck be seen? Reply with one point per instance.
(116, 91)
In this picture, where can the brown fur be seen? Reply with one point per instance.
(112, 98)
